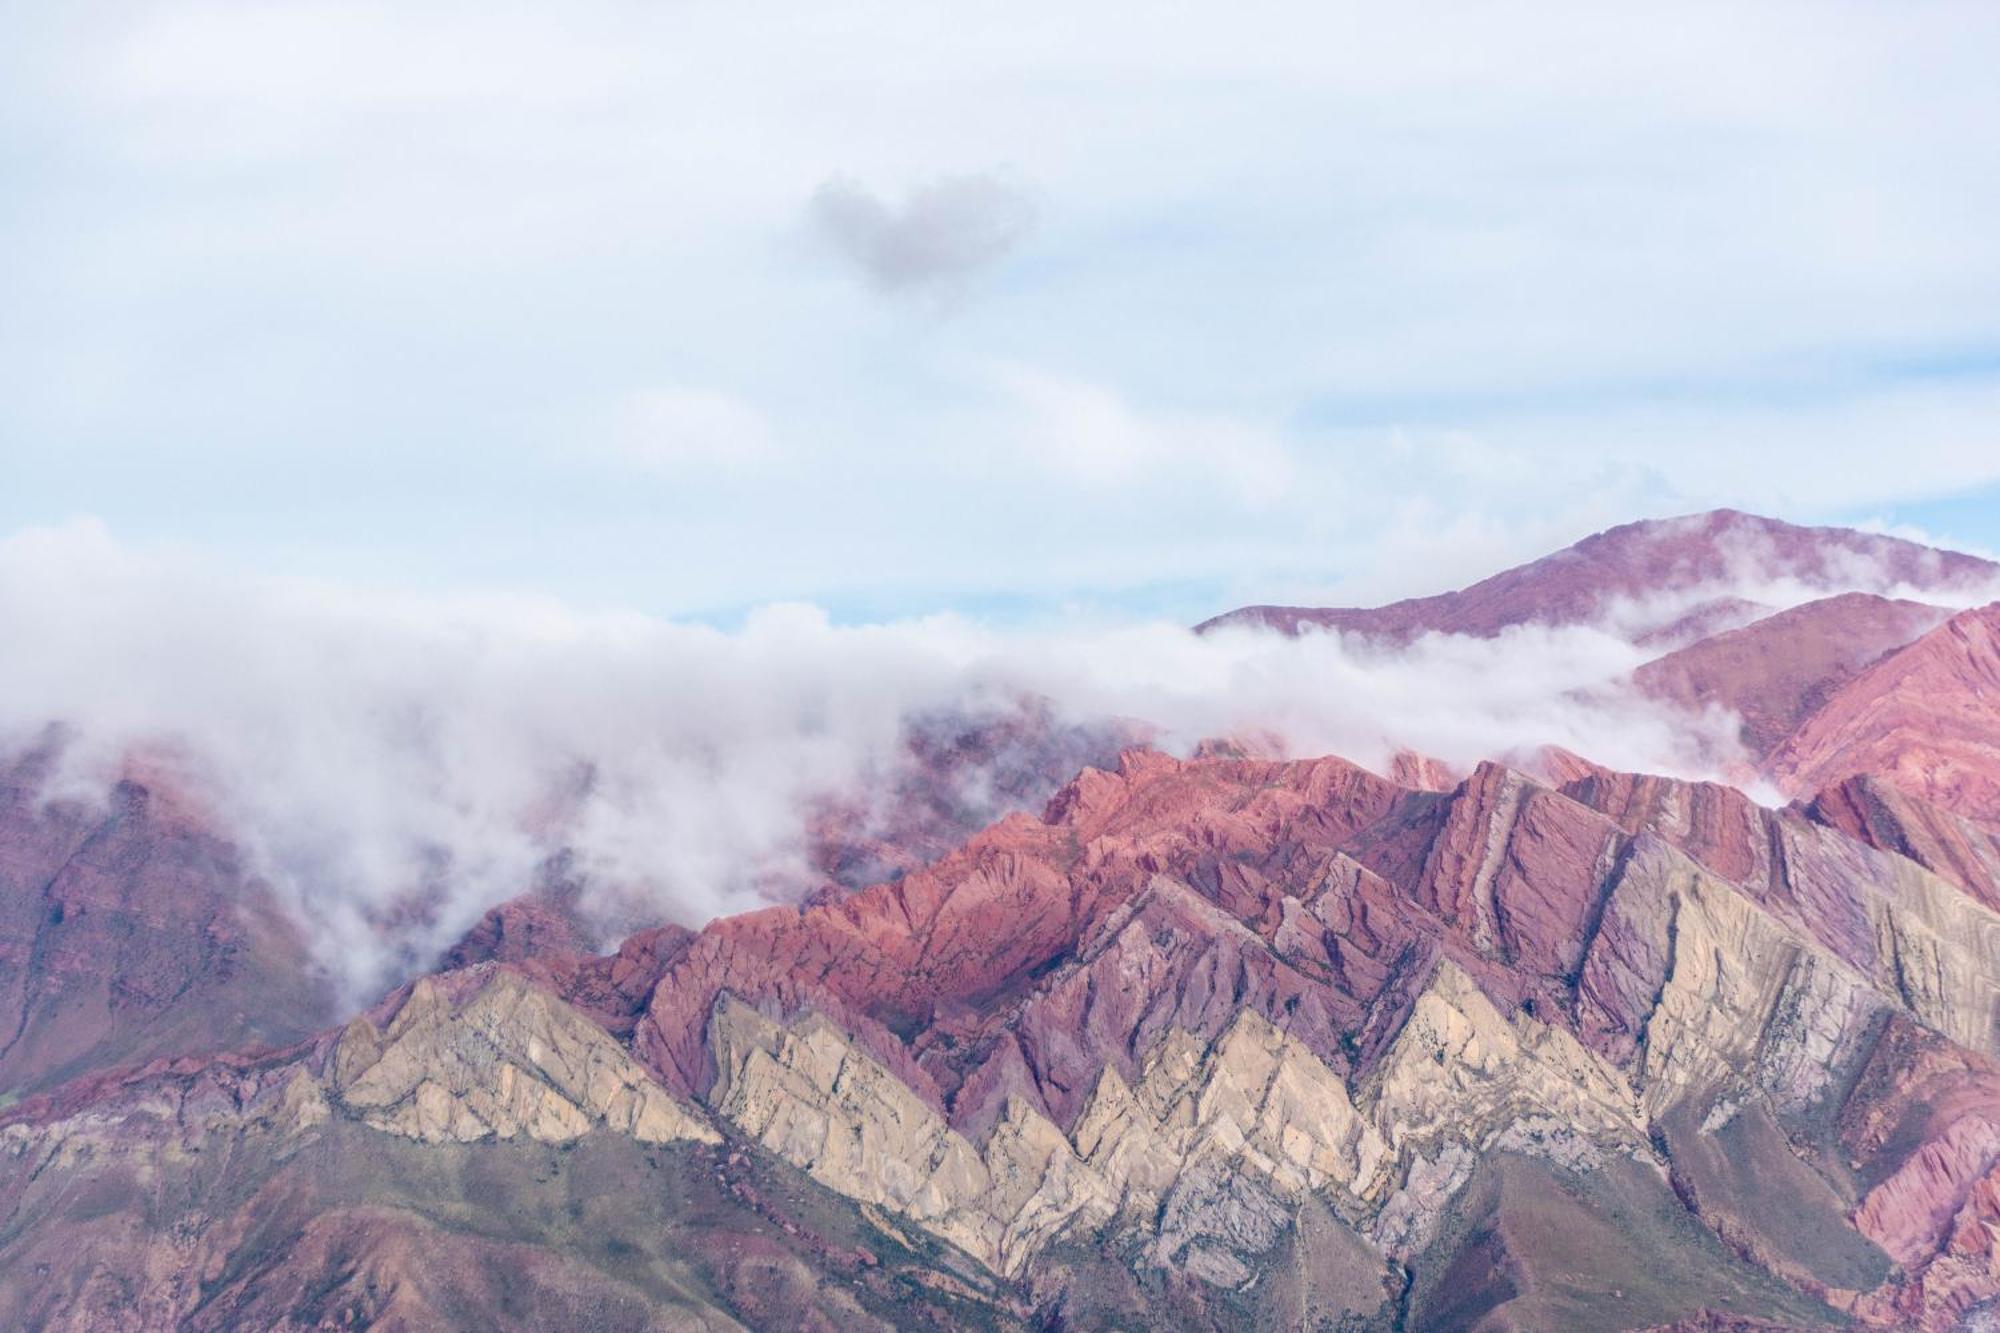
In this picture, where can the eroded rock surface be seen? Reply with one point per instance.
(1222, 1042)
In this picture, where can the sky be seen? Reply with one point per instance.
(432, 434)
(995, 309)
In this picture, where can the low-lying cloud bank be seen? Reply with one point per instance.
(367, 748)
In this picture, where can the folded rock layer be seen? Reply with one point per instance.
(1217, 1042)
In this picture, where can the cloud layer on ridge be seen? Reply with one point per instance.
(363, 746)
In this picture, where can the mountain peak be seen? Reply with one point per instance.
(1655, 572)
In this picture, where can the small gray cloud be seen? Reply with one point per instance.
(943, 232)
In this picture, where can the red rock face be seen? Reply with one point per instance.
(1925, 719)
(1646, 560)
(1174, 895)
(518, 931)
(1420, 772)
(1716, 825)
(969, 933)
(1010, 966)
(1921, 1125)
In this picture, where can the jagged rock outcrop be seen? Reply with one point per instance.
(1461, 1072)
(1218, 1145)
(1511, 971)
(486, 1054)
(1213, 1149)
(804, 1091)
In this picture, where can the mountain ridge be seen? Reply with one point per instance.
(1215, 1041)
(1716, 551)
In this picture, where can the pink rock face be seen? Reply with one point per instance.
(1516, 868)
(1922, 1122)
(1421, 773)
(1716, 825)
(1172, 894)
(1778, 671)
(1925, 719)
(1962, 1269)
(1911, 1215)
(1647, 561)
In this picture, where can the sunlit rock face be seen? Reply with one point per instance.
(1217, 1042)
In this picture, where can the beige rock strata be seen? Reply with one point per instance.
(1748, 1001)
(168, 1124)
(501, 1059)
(1461, 1070)
(1219, 1141)
(1213, 1147)
(805, 1092)
(1940, 952)
(1731, 971)
(1462, 1079)
(507, 1060)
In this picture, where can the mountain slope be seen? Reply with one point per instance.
(1214, 1042)
(1197, 1004)
(1873, 811)
(1926, 719)
(1776, 671)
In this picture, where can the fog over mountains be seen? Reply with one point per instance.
(1609, 944)
(395, 766)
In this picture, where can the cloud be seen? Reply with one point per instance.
(1922, 536)
(943, 233)
(367, 747)
(676, 428)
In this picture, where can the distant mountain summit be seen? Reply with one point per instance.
(1721, 565)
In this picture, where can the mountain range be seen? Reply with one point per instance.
(1210, 1040)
